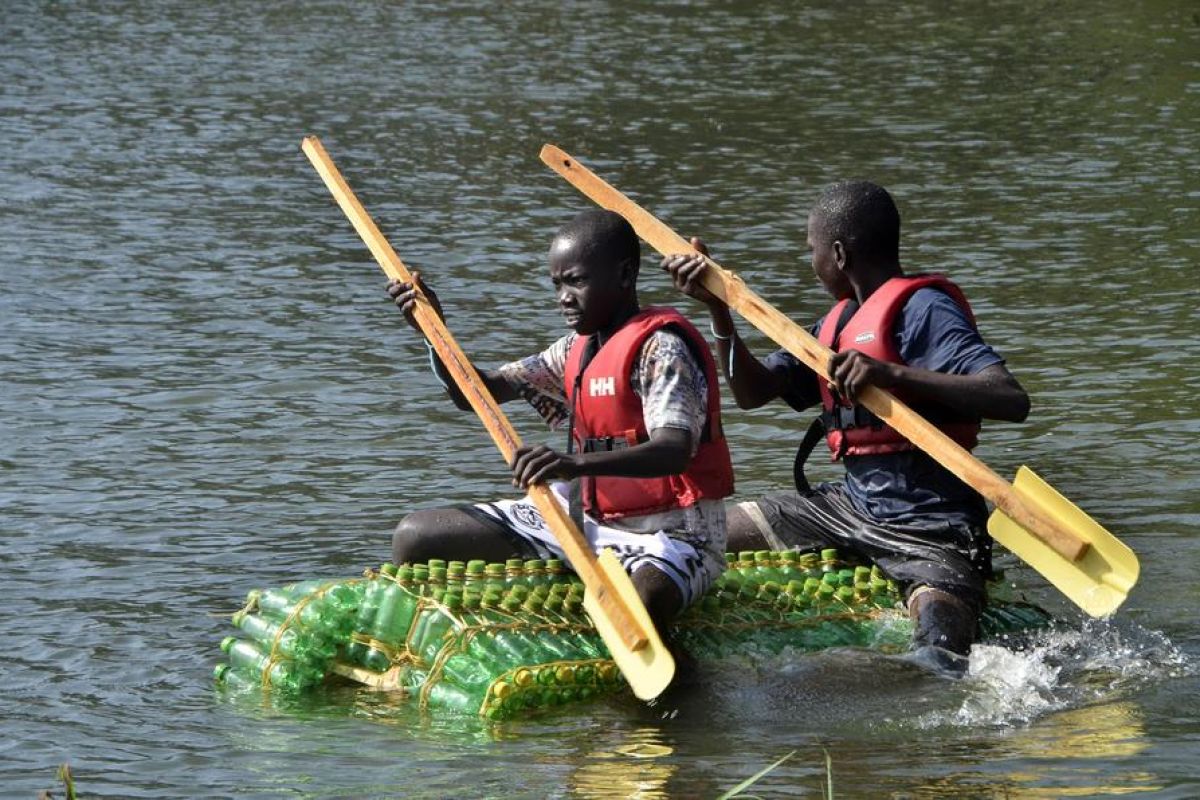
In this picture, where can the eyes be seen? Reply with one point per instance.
(571, 279)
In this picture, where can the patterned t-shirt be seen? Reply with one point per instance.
(674, 392)
(665, 376)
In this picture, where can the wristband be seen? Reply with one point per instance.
(718, 336)
(433, 365)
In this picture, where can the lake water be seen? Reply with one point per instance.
(203, 389)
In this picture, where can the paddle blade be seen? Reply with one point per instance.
(650, 668)
(1100, 581)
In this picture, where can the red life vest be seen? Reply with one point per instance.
(856, 431)
(608, 416)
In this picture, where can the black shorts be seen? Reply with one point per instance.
(954, 559)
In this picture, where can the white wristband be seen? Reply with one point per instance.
(718, 336)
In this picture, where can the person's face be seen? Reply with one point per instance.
(589, 293)
(828, 258)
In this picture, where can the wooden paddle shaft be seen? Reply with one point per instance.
(575, 547)
(796, 340)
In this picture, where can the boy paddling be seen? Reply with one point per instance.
(646, 459)
(916, 337)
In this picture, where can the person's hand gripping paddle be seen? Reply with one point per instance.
(611, 600)
(1085, 562)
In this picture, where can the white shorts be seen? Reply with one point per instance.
(691, 552)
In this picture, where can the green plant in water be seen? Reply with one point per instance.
(746, 784)
(64, 775)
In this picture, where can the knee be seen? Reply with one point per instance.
(942, 620)
(661, 596)
(412, 539)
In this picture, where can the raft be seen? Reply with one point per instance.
(507, 640)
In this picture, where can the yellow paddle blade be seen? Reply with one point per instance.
(650, 668)
(1100, 581)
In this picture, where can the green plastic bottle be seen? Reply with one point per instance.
(829, 560)
(535, 572)
(560, 648)
(557, 572)
(286, 641)
(246, 657)
(446, 695)
(315, 614)
(789, 566)
(494, 576)
(811, 564)
(440, 623)
(476, 578)
(765, 569)
(225, 675)
(514, 571)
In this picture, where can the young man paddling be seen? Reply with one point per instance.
(646, 458)
(915, 336)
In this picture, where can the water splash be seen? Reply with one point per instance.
(1058, 668)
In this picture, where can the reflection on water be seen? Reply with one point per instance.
(639, 767)
(203, 389)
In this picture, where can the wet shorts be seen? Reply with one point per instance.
(691, 559)
(953, 559)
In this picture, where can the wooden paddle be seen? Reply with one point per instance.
(1087, 563)
(611, 600)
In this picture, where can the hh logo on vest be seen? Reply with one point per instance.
(863, 338)
(602, 387)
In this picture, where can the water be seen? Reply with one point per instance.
(203, 389)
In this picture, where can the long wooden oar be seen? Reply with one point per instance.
(610, 599)
(1087, 563)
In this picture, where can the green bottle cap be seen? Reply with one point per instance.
(769, 589)
(453, 601)
(387, 568)
(809, 561)
(227, 643)
(711, 604)
(789, 558)
(534, 563)
(748, 591)
(572, 606)
(520, 592)
(420, 573)
(541, 590)
(476, 566)
(220, 671)
(533, 604)
(826, 591)
(745, 555)
(473, 602)
(510, 603)
(763, 556)
(862, 574)
(237, 618)
(494, 570)
(456, 565)
(456, 570)
(253, 596)
(490, 600)
(437, 574)
(730, 559)
(794, 588)
(554, 604)
(831, 579)
(845, 594)
(555, 565)
(404, 574)
(811, 585)
(829, 554)
(559, 590)
(514, 563)
(436, 563)
(437, 594)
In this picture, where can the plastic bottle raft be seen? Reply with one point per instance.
(504, 640)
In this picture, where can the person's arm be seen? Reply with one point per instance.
(991, 393)
(666, 452)
(946, 362)
(404, 295)
(752, 383)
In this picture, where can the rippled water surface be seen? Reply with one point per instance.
(203, 390)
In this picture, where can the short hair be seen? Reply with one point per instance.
(862, 215)
(602, 236)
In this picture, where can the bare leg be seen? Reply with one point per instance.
(448, 533)
(741, 531)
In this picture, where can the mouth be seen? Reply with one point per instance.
(571, 316)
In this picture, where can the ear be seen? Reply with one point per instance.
(840, 256)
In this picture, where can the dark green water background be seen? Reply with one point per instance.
(203, 390)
